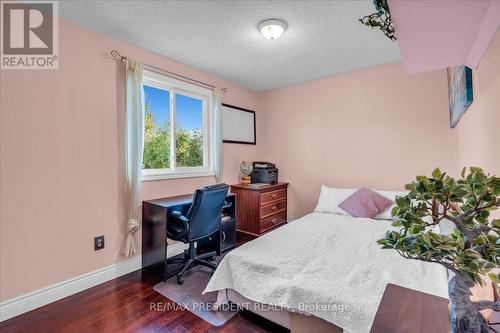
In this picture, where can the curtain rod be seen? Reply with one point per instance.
(116, 55)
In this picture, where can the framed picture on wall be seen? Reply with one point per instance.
(459, 92)
(238, 125)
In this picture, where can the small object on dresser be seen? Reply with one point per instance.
(246, 170)
(264, 172)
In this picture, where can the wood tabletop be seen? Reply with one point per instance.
(256, 187)
(404, 310)
(175, 200)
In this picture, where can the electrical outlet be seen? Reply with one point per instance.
(98, 243)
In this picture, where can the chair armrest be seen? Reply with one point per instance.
(177, 218)
(174, 213)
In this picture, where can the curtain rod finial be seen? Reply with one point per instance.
(224, 90)
(116, 55)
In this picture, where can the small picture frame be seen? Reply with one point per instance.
(238, 125)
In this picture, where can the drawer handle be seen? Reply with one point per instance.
(223, 236)
(274, 220)
(274, 196)
(274, 208)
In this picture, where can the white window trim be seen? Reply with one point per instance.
(174, 86)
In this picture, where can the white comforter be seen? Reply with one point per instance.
(325, 259)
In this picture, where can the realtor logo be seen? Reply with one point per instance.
(29, 35)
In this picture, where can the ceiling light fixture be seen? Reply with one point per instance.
(272, 29)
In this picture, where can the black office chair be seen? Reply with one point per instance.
(202, 220)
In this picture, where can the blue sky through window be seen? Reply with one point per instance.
(188, 113)
(159, 101)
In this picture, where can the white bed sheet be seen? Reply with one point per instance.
(325, 260)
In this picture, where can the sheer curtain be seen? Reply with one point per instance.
(217, 112)
(134, 141)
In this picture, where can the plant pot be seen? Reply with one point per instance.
(464, 316)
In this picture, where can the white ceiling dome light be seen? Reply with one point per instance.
(272, 29)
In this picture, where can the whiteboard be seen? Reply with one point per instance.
(238, 125)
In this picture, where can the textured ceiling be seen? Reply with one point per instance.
(221, 37)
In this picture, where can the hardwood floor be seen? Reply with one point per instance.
(124, 305)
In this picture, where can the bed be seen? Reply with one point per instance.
(325, 265)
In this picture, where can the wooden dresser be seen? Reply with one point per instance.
(259, 208)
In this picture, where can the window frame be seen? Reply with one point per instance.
(173, 86)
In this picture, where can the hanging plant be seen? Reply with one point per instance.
(381, 19)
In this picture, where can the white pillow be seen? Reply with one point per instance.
(386, 215)
(330, 198)
(445, 227)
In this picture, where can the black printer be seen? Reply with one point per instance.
(264, 172)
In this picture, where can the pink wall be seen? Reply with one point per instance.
(62, 151)
(375, 127)
(443, 33)
(479, 128)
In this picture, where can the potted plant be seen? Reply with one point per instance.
(381, 19)
(471, 251)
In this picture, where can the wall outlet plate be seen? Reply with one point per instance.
(98, 243)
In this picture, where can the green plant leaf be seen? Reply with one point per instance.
(436, 173)
(474, 196)
(494, 277)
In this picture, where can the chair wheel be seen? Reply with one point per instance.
(180, 280)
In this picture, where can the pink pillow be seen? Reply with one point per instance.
(365, 203)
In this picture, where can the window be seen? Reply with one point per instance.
(177, 129)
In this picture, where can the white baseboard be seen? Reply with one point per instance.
(19, 305)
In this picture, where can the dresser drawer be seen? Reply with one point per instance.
(272, 221)
(269, 197)
(272, 209)
(260, 208)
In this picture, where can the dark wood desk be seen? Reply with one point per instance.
(404, 310)
(154, 230)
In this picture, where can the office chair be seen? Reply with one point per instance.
(202, 220)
